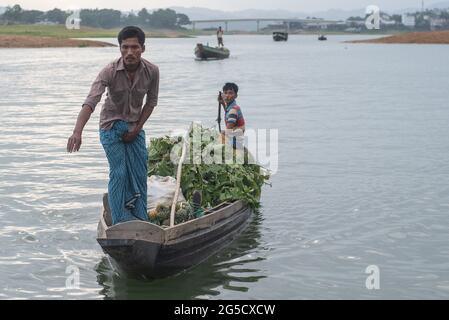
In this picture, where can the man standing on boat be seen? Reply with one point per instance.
(220, 37)
(122, 118)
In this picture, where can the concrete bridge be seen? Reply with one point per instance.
(286, 22)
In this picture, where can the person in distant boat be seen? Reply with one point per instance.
(234, 120)
(220, 37)
(128, 79)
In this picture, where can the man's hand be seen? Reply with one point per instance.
(74, 142)
(130, 136)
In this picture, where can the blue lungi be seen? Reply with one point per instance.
(127, 173)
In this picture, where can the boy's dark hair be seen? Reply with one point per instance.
(131, 32)
(231, 86)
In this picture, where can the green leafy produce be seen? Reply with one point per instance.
(159, 157)
(217, 182)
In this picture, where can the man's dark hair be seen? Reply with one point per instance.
(131, 32)
(231, 86)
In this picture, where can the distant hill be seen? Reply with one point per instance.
(338, 14)
(196, 13)
(439, 5)
(435, 5)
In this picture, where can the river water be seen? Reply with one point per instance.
(362, 180)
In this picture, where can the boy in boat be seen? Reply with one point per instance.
(220, 37)
(128, 79)
(234, 120)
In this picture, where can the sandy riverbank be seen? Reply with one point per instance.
(432, 37)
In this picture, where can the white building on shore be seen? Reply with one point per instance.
(436, 23)
(408, 20)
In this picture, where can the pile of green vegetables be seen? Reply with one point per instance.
(217, 182)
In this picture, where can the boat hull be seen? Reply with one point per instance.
(280, 36)
(208, 53)
(155, 252)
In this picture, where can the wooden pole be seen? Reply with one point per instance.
(178, 178)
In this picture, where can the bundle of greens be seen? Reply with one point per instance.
(218, 182)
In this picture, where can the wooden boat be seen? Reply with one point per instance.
(322, 38)
(205, 52)
(280, 36)
(143, 248)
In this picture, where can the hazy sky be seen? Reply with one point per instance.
(227, 5)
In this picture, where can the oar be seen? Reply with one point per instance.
(219, 112)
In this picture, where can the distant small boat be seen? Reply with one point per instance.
(280, 36)
(205, 52)
(322, 38)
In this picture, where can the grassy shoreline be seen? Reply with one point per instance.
(61, 31)
(50, 36)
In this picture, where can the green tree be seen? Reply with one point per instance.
(144, 17)
(444, 15)
(421, 22)
(31, 16)
(109, 18)
(182, 19)
(13, 14)
(130, 20)
(396, 18)
(56, 15)
(104, 18)
(163, 18)
(355, 18)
